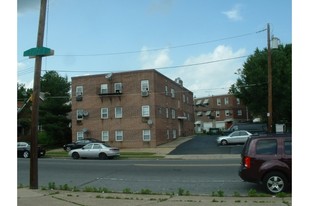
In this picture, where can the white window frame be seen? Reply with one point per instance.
(105, 136)
(118, 87)
(104, 113)
(145, 111)
(173, 113)
(217, 113)
(174, 133)
(166, 90)
(239, 112)
(118, 112)
(79, 114)
(166, 112)
(118, 135)
(238, 100)
(227, 113)
(144, 85)
(218, 101)
(79, 135)
(79, 90)
(183, 98)
(146, 135)
(172, 92)
(104, 89)
(226, 100)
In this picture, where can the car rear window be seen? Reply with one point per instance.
(266, 147)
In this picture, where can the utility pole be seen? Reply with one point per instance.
(37, 53)
(270, 95)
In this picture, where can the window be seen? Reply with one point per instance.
(173, 93)
(79, 90)
(79, 135)
(206, 102)
(118, 88)
(199, 113)
(79, 114)
(104, 89)
(145, 111)
(183, 98)
(119, 135)
(166, 90)
(105, 136)
(118, 112)
(266, 147)
(104, 113)
(173, 114)
(218, 101)
(288, 147)
(166, 112)
(227, 113)
(174, 134)
(167, 134)
(217, 113)
(144, 85)
(146, 135)
(226, 100)
(239, 112)
(96, 146)
(238, 100)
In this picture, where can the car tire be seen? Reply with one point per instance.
(75, 155)
(68, 149)
(26, 154)
(275, 182)
(102, 156)
(224, 142)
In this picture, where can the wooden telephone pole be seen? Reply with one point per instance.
(37, 53)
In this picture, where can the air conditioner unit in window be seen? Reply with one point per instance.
(79, 97)
(145, 93)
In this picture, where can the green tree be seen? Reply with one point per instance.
(53, 113)
(252, 85)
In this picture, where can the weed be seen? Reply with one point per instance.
(146, 191)
(127, 191)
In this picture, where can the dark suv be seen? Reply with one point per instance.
(79, 144)
(267, 160)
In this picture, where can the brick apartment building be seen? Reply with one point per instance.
(218, 112)
(131, 109)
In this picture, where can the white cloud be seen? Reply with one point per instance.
(209, 78)
(152, 59)
(234, 13)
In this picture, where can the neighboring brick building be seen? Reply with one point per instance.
(131, 109)
(218, 112)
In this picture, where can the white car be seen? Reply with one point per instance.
(239, 136)
(95, 150)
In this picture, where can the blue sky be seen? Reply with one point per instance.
(180, 38)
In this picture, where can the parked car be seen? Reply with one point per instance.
(23, 150)
(239, 136)
(95, 150)
(79, 144)
(267, 160)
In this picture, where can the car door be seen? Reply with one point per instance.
(95, 151)
(234, 137)
(243, 136)
(85, 151)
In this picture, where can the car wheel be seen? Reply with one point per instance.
(68, 149)
(26, 154)
(102, 156)
(75, 155)
(224, 142)
(275, 182)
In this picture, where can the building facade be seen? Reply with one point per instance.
(132, 109)
(218, 112)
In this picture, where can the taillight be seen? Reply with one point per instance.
(247, 162)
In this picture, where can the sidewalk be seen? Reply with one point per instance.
(28, 197)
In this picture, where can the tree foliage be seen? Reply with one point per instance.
(252, 85)
(53, 113)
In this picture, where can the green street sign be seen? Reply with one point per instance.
(38, 51)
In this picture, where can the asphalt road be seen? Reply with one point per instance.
(205, 144)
